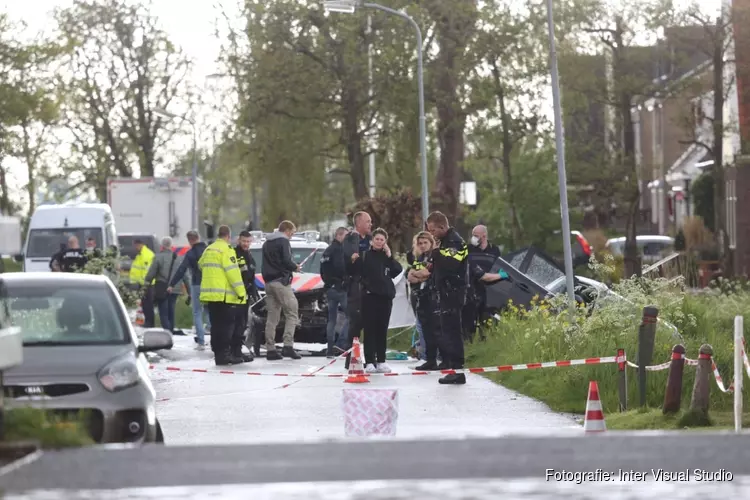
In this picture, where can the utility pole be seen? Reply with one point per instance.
(371, 142)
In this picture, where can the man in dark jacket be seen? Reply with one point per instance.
(356, 242)
(277, 269)
(247, 269)
(190, 263)
(333, 273)
(449, 277)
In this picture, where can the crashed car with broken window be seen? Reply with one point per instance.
(533, 273)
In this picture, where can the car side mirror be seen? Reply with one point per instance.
(18, 257)
(156, 339)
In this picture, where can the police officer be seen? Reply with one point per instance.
(138, 270)
(356, 243)
(70, 259)
(223, 290)
(247, 269)
(450, 281)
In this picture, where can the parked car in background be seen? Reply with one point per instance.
(652, 248)
(82, 356)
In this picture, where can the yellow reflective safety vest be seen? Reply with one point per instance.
(221, 278)
(140, 265)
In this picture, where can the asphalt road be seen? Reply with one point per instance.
(213, 408)
(520, 463)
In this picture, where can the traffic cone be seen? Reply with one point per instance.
(139, 320)
(356, 368)
(594, 419)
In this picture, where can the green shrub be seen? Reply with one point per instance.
(51, 431)
(541, 335)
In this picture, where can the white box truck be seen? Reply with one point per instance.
(152, 206)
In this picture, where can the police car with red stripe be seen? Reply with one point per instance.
(307, 250)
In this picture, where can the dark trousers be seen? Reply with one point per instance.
(166, 307)
(469, 316)
(447, 314)
(222, 326)
(147, 305)
(376, 315)
(428, 323)
(354, 314)
(240, 325)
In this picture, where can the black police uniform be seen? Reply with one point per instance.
(70, 260)
(353, 243)
(474, 312)
(246, 264)
(422, 307)
(450, 282)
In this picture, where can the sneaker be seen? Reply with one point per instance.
(370, 368)
(200, 347)
(383, 368)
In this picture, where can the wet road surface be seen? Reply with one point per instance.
(213, 408)
(515, 467)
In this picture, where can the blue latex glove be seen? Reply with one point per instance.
(503, 274)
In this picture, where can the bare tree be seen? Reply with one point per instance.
(125, 68)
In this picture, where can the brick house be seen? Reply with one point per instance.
(675, 71)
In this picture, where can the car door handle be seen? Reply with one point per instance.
(524, 287)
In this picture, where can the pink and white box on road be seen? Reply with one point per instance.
(370, 412)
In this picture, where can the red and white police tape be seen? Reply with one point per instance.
(693, 362)
(486, 369)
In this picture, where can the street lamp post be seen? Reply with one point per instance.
(560, 142)
(194, 176)
(349, 7)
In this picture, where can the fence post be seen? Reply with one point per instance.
(738, 372)
(646, 335)
(622, 382)
(673, 394)
(702, 386)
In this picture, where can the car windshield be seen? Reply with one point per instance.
(47, 242)
(127, 247)
(540, 269)
(312, 265)
(66, 314)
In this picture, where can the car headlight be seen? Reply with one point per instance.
(120, 373)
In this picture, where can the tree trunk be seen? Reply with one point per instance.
(507, 145)
(720, 215)
(4, 193)
(632, 262)
(455, 26)
(354, 152)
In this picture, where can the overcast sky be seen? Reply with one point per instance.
(191, 24)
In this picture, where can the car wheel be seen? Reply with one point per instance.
(159, 433)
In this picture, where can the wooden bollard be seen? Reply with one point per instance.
(702, 386)
(646, 335)
(673, 394)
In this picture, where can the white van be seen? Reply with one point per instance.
(52, 225)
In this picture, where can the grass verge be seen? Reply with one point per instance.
(541, 335)
(11, 266)
(51, 431)
(650, 418)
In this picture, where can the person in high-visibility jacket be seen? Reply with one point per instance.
(222, 289)
(138, 270)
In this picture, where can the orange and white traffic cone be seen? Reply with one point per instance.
(594, 419)
(356, 367)
(139, 319)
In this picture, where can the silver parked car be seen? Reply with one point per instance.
(81, 355)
